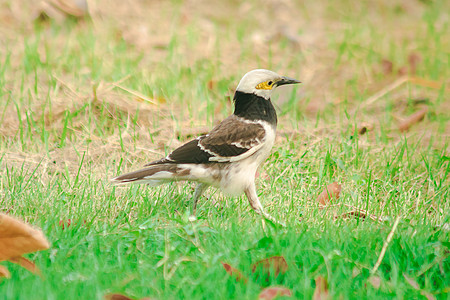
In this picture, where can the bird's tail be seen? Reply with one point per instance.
(153, 175)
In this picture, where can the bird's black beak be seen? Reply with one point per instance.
(286, 80)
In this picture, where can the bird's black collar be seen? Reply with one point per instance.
(253, 108)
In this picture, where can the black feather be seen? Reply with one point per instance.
(190, 153)
(253, 107)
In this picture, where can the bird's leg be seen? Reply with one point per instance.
(199, 189)
(253, 199)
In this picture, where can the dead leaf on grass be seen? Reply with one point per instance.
(413, 59)
(276, 263)
(375, 281)
(402, 71)
(387, 66)
(420, 100)
(4, 272)
(358, 213)
(211, 84)
(273, 292)
(321, 291)
(233, 272)
(25, 263)
(74, 8)
(117, 297)
(17, 238)
(412, 119)
(331, 191)
(59, 10)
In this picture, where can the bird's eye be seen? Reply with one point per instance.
(266, 85)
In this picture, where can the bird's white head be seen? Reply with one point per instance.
(262, 82)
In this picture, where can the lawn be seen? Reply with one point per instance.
(85, 99)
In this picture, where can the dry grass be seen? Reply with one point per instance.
(301, 40)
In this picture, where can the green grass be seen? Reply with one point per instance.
(66, 129)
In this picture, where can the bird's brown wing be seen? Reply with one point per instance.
(232, 140)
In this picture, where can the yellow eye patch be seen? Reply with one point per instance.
(266, 85)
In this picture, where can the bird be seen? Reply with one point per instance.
(229, 156)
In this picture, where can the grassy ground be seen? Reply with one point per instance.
(84, 100)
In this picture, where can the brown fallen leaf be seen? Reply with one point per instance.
(402, 71)
(25, 263)
(420, 100)
(116, 297)
(321, 291)
(121, 297)
(211, 84)
(276, 263)
(412, 119)
(74, 8)
(273, 292)
(358, 213)
(375, 281)
(59, 10)
(17, 238)
(387, 66)
(331, 191)
(233, 272)
(4, 272)
(45, 11)
(413, 59)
